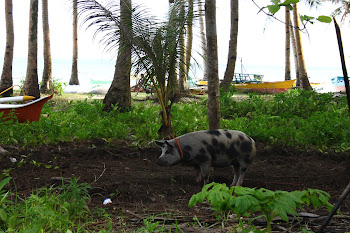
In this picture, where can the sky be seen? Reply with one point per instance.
(261, 40)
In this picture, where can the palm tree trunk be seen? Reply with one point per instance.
(204, 40)
(212, 63)
(304, 80)
(295, 53)
(287, 61)
(189, 37)
(232, 51)
(46, 83)
(74, 75)
(31, 85)
(119, 92)
(6, 76)
(182, 61)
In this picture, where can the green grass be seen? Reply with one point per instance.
(297, 118)
(54, 209)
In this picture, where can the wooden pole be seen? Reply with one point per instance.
(346, 80)
(336, 206)
(341, 52)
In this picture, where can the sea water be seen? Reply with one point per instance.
(103, 70)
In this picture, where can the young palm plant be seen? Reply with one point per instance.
(154, 45)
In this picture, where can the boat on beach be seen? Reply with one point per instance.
(266, 87)
(261, 87)
(25, 112)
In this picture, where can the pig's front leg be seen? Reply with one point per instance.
(198, 174)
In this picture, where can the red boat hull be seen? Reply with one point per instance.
(25, 112)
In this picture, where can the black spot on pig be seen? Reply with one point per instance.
(202, 151)
(187, 155)
(201, 158)
(204, 142)
(228, 135)
(222, 147)
(241, 137)
(189, 148)
(211, 151)
(214, 132)
(215, 142)
(246, 147)
(232, 152)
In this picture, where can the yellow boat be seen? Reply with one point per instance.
(266, 87)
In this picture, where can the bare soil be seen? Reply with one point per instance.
(139, 188)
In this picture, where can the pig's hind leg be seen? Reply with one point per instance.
(236, 174)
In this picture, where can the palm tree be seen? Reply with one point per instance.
(74, 75)
(189, 34)
(46, 83)
(154, 46)
(294, 46)
(31, 85)
(203, 40)
(182, 59)
(186, 45)
(343, 9)
(119, 92)
(232, 51)
(288, 37)
(212, 63)
(6, 76)
(304, 80)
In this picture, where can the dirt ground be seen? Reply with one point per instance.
(139, 188)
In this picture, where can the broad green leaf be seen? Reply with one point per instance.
(3, 215)
(244, 204)
(287, 2)
(34, 229)
(273, 8)
(264, 194)
(281, 213)
(306, 18)
(324, 19)
(240, 191)
(197, 198)
(217, 199)
(4, 182)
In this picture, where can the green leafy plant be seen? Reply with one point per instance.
(76, 196)
(58, 86)
(242, 200)
(4, 200)
(150, 226)
(285, 118)
(60, 209)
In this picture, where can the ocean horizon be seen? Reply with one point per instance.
(103, 70)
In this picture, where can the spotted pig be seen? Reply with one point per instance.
(213, 148)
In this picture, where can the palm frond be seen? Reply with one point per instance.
(155, 43)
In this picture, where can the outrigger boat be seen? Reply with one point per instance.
(266, 87)
(26, 112)
(261, 87)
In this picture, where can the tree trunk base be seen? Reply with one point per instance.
(7, 93)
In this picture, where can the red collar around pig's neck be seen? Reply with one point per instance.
(178, 145)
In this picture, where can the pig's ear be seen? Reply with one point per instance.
(168, 144)
(159, 143)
